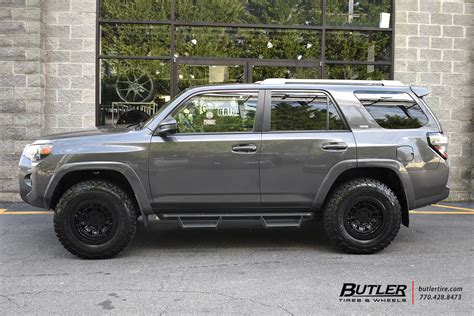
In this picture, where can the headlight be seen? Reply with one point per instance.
(36, 152)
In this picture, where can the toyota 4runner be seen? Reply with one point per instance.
(359, 154)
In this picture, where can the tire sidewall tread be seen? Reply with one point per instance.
(333, 214)
(123, 206)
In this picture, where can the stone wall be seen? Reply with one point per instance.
(22, 83)
(69, 65)
(47, 75)
(434, 42)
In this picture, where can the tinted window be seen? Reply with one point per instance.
(356, 45)
(247, 43)
(288, 12)
(374, 13)
(217, 112)
(393, 110)
(304, 111)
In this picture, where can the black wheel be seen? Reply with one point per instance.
(362, 216)
(95, 219)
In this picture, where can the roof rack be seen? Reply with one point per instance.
(332, 82)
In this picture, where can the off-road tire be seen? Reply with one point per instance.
(343, 197)
(125, 212)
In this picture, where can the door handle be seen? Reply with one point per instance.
(244, 149)
(334, 146)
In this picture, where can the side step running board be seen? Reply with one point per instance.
(214, 220)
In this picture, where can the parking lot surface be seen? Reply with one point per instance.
(239, 269)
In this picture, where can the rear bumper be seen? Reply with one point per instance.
(432, 199)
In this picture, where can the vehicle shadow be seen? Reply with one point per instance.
(238, 234)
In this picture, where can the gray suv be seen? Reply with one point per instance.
(358, 154)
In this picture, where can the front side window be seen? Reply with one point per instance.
(303, 111)
(217, 112)
(393, 110)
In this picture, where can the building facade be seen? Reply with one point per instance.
(67, 65)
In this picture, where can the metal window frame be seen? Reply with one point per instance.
(247, 62)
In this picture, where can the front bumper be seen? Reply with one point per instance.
(31, 183)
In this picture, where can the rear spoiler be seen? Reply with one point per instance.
(420, 91)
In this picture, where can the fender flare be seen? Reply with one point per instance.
(343, 166)
(135, 183)
(329, 181)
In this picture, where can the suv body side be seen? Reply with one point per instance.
(423, 178)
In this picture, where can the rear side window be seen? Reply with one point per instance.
(393, 110)
(303, 111)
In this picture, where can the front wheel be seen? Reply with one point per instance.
(95, 219)
(362, 216)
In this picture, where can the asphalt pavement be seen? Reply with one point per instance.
(239, 269)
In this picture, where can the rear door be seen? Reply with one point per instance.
(304, 136)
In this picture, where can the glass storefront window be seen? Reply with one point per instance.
(357, 46)
(196, 75)
(135, 9)
(135, 40)
(247, 43)
(260, 73)
(178, 44)
(374, 13)
(357, 72)
(289, 12)
(137, 84)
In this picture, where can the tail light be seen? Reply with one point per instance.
(439, 143)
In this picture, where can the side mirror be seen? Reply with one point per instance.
(167, 126)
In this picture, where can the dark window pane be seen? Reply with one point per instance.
(289, 12)
(303, 111)
(135, 40)
(357, 72)
(247, 43)
(393, 110)
(217, 113)
(136, 9)
(264, 72)
(132, 84)
(358, 46)
(359, 12)
(195, 75)
(334, 119)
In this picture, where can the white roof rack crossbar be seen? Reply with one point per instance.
(332, 82)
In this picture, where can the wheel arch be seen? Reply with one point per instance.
(390, 172)
(117, 173)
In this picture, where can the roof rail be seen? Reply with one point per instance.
(332, 82)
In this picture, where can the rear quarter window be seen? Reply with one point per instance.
(393, 110)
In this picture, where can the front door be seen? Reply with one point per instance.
(212, 160)
(304, 137)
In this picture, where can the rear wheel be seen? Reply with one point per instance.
(362, 216)
(95, 219)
